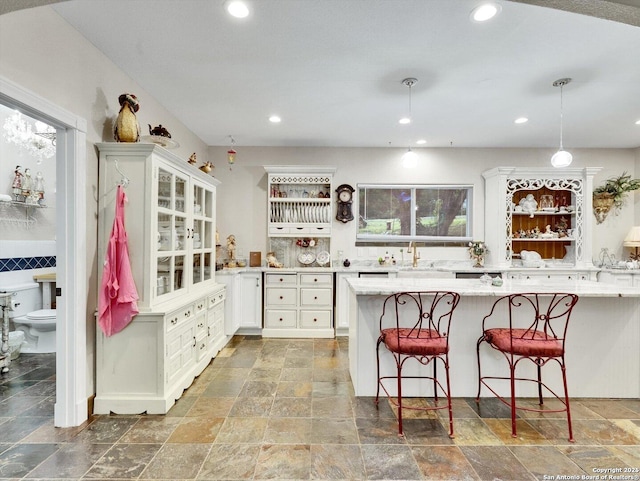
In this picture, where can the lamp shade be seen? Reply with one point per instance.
(633, 237)
(409, 159)
(561, 158)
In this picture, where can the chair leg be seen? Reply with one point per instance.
(446, 371)
(399, 371)
(566, 400)
(378, 371)
(513, 400)
(435, 380)
(479, 373)
(540, 400)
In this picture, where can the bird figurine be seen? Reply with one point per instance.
(192, 159)
(127, 128)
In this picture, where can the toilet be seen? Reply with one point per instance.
(37, 324)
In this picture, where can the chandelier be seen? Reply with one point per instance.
(40, 143)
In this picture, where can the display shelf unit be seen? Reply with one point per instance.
(506, 186)
(299, 201)
(18, 213)
(170, 223)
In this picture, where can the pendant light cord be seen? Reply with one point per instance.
(561, 116)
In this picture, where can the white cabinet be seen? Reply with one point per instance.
(342, 302)
(544, 274)
(170, 222)
(298, 304)
(508, 232)
(243, 309)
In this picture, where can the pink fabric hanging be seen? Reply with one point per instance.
(117, 304)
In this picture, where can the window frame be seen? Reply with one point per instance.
(392, 239)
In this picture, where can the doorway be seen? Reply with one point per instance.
(71, 362)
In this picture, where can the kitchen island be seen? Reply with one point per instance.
(602, 348)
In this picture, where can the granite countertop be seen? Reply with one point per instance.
(473, 287)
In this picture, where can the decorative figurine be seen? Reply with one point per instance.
(231, 247)
(272, 261)
(38, 187)
(206, 167)
(159, 131)
(27, 183)
(529, 204)
(192, 159)
(16, 185)
(127, 128)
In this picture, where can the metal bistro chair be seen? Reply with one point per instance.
(417, 327)
(537, 328)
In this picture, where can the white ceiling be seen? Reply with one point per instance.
(332, 69)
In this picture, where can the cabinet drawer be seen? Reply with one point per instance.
(315, 319)
(316, 279)
(281, 296)
(316, 297)
(200, 305)
(174, 319)
(279, 230)
(320, 231)
(280, 318)
(273, 279)
(202, 347)
(216, 298)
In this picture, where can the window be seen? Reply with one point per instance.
(429, 213)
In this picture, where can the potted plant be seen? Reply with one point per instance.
(612, 194)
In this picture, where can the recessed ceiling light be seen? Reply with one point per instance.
(237, 8)
(421, 142)
(521, 120)
(275, 119)
(404, 120)
(485, 11)
(637, 122)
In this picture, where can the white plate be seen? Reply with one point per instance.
(323, 257)
(165, 142)
(306, 258)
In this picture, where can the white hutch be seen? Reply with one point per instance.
(505, 224)
(170, 220)
(298, 299)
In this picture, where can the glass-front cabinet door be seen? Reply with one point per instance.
(173, 231)
(203, 233)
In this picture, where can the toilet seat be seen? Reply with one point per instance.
(42, 314)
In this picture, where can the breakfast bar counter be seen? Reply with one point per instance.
(603, 339)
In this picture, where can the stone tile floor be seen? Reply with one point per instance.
(285, 410)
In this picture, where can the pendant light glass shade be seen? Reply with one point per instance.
(409, 159)
(561, 158)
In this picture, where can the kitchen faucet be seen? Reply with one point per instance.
(416, 254)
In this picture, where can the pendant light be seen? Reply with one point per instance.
(231, 153)
(561, 158)
(410, 158)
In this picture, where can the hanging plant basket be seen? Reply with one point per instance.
(612, 195)
(602, 204)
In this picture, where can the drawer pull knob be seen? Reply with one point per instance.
(280, 319)
(174, 321)
(315, 280)
(315, 298)
(280, 297)
(315, 319)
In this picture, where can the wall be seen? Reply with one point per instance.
(40, 52)
(242, 195)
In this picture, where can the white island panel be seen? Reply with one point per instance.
(603, 359)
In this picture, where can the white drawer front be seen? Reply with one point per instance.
(280, 319)
(281, 296)
(174, 319)
(279, 230)
(216, 298)
(200, 305)
(316, 297)
(316, 279)
(201, 326)
(315, 319)
(281, 279)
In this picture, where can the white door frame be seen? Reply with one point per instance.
(71, 249)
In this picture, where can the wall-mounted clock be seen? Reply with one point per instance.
(345, 201)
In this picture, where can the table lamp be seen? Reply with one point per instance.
(633, 240)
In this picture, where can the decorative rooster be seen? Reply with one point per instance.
(127, 128)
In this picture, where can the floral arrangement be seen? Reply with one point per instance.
(306, 242)
(618, 187)
(477, 251)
